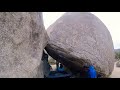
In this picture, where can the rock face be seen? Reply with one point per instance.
(22, 40)
(79, 38)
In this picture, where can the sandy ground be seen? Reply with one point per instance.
(115, 73)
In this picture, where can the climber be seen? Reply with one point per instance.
(60, 68)
(89, 71)
(92, 72)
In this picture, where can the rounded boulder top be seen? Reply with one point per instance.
(77, 38)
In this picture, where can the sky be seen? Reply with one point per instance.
(110, 19)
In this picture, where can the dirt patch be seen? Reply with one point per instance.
(116, 72)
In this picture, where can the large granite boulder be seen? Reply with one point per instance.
(22, 40)
(79, 38)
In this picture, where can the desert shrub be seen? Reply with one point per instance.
(118, 64)
(117, 55)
